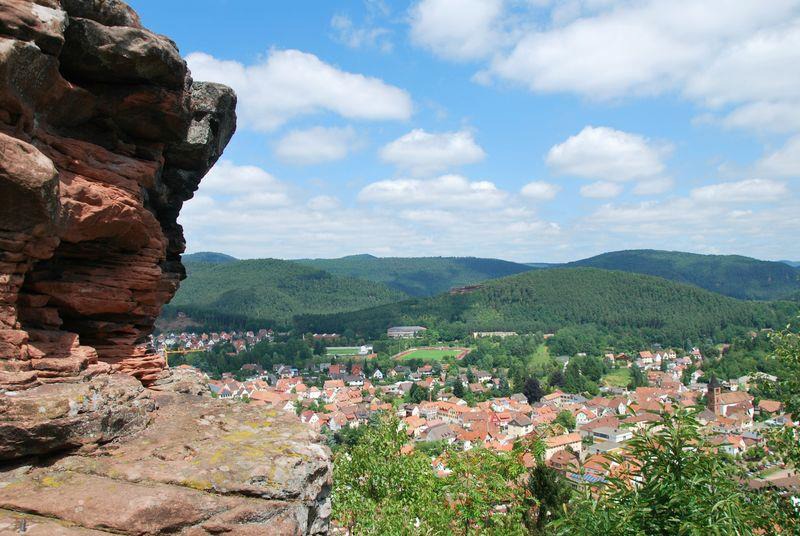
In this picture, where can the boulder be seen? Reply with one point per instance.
(30, 21)
(28, 186)
(98, 53)
(202, 467)
(107, 12)
(58, 416)
(180, 380)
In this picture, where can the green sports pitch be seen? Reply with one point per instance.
(430, 354)
(342, 350)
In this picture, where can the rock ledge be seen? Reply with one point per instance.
(202, 467)
(103, 136)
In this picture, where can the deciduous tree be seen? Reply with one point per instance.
(532, 390)
(670, 482)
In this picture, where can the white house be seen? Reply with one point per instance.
(520, 425)
(608, 433)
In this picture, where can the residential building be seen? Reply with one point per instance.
(558, 443)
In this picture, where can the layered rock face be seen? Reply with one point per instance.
(103, 136)
(202, 467)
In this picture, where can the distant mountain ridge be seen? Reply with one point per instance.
(731, 275)
(209, 257)
(583, 300)
(419, 276)
(543, 264)
(221, 289)
(793, 264)
(269, 292)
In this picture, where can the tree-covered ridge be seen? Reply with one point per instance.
(581, 302)
(732, 275)
(269, 292)
(419, 276)
(210, 257)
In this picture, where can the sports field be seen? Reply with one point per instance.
(431, 354)
(342, 350)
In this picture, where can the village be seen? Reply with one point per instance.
(184, 342)
(448, 406)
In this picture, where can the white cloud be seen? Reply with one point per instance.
(422, 152)
(260, 200)
(785, 162)
(733, 53)
(746, 191)
(444, 191)
(654, 186)
(781, 116)
(756, 76)
(607, 154)
(458, 29)
(430, 216)
(696, 223)
(540, 190)
(635, 47)
(245, 211)
(259, 217)
(440, 218)
(354, 36)
(323, 203)
(755, 69)
(226, 178)
(317, 144)
(565, 11)
(601, 190)
(291, 83)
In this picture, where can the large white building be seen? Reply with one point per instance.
(405, 332)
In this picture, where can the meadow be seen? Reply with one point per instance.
(342, 350)
(430, 354)
(617, 378)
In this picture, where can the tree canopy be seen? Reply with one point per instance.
(419, 276)
(590, 310)
(732, 275)
(669, 482)
(269, 293)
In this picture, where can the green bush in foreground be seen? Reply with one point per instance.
(380, 490)
(681, 487)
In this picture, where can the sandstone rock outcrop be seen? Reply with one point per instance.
(54, 417)
(202, 467)
(103, 136)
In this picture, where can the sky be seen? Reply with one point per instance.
(528, 130)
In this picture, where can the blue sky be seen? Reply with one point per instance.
(531, 130)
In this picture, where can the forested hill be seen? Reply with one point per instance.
(208, 257)
(732, 275)
(269, 292)
(587, 302)
(419, 276)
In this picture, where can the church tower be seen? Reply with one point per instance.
(712, 396)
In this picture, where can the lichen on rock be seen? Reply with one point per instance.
(103, 137)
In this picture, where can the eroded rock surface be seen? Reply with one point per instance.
(103, 136)
(202, 467)
(53, 417)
